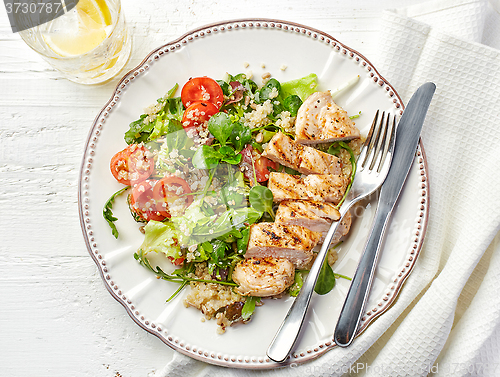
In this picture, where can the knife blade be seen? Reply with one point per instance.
(407, 138)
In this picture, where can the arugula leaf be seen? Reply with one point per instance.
(138, 131)
(326, 279)
(182, 276)
(249, 307)
(221, 126)
(261, 199)
(108, 213)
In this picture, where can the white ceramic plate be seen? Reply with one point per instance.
(212, 51)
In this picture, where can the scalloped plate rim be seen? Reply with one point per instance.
(205, 356)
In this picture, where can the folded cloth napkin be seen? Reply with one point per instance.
(446, 321)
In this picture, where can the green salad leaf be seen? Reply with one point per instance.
(221, 126)
(144, 131)
(292, 104)
(108, 213)
(266, 92)
(160, 237)
(249, 307)
(326, 279)
(261, 199)
(297, 285)
(206, 157)
(240, 136)
(302, 87)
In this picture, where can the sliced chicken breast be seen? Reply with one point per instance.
(316, 187)
(284, 151)
(325, 187)
(315, 216)
(304, 159)
(321, 120)
(317, 162)
(287, 186)
(343, 229)
(291, 242)
(263, 277)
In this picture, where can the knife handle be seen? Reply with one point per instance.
(359, 290)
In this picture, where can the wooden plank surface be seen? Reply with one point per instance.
(57, 319)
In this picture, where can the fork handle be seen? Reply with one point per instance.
(287, 334)
(359, 290)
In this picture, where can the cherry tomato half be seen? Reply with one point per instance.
(197, 114)
(132, 165)
(261, 168)
(142, 202)
(169, 189)
(202, 89)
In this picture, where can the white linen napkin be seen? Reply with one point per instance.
(446, 321)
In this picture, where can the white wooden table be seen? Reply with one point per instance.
(56, 317)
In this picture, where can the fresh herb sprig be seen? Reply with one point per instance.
(108, 213)
(182, 275)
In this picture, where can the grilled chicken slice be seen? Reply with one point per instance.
(263, 277)
(343, 229)
(292, 242)
(317, 162)
(315, 216)
(304, 159)
(321, 120)
(287, 186)
(317, 187)
(284, 151)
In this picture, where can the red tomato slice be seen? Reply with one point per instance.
(198, 114)
(142, 202)
(176, 261)
(261, 168)
(202, 89)
(132, 165)
(166, 191)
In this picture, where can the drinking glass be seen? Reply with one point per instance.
(89, 44)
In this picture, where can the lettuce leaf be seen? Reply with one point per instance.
(302, 87)
(161, 238)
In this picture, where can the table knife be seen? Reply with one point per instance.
(407, 138)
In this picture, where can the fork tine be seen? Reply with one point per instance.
(380, 140)
(371, 138)
(388, 141)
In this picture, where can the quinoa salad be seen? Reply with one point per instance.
(236, 184)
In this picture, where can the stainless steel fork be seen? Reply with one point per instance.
(372, 167)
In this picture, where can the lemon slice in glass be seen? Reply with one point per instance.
(80, 30)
